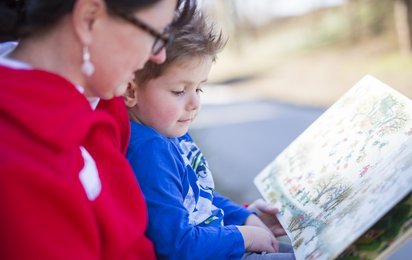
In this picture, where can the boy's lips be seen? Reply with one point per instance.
(188, 119)
(185, 120)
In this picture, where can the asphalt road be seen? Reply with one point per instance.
(240, 139)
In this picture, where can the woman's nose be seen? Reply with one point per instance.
(159, 58)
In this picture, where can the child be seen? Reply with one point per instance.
(188, 219)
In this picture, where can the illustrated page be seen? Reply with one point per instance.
(344, 172)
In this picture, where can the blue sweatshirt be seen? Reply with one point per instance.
(187, 218)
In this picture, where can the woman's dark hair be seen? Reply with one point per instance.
(19, 18)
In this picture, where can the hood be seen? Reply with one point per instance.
(48, 107)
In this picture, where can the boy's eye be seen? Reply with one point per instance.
(199, 90)
(178, 93)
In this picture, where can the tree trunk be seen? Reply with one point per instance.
(403, 21)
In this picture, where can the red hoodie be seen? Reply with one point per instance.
(47, 212)
(118, 110)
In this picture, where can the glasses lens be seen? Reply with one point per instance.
(162, 40)
(158, 45)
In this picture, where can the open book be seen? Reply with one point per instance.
(344, 185)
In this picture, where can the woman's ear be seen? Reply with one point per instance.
(130, 97)
(84, 15)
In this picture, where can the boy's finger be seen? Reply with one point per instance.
(275, 244)
(278, 231)
(268, 209)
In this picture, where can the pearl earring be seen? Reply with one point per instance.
(87, 66)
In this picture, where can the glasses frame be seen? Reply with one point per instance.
(161, 39)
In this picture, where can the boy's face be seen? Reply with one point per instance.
(170, 102)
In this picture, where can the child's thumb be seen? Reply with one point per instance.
(266, 207)
(275, 244)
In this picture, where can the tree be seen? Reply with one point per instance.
(403, 20)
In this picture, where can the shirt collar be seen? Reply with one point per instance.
(7, 47)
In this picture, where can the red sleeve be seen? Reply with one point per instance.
(39, 206)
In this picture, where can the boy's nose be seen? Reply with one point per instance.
(194, 102)
(159, 58)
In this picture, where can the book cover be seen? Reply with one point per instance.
(337, 182)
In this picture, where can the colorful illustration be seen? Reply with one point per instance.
(384, 234)
(344, 173)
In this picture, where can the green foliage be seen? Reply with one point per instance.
(353, 22)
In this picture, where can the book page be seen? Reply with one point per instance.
(344, 172)
(386, 236)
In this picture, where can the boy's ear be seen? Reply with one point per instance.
(130, 97)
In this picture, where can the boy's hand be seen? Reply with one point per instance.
(258, 239)
(267, 214)
(254, 220)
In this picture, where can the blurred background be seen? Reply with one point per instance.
(285, 62)
(311, 51)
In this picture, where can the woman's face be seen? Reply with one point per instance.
(119, 48)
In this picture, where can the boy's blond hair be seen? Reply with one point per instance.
(197, 38)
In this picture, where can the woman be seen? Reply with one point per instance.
(67, 192)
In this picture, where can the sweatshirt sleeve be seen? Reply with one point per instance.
(234, 213)
(159, 172)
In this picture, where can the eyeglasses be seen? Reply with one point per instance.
(161, 39)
